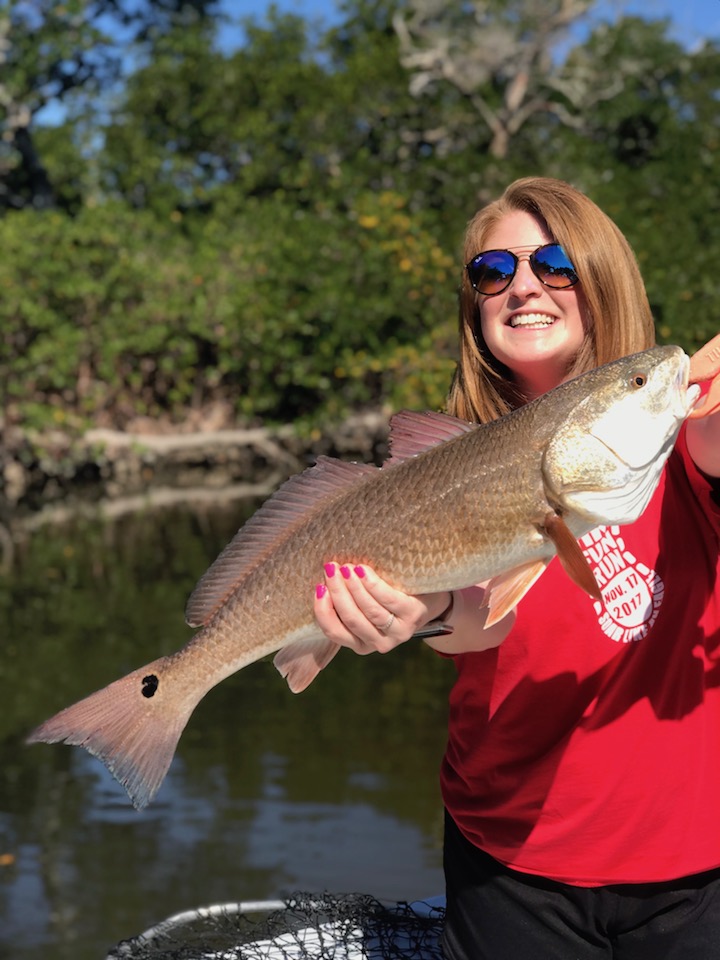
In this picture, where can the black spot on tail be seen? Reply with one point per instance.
(150, 685)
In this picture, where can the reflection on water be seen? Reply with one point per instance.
(269, 793)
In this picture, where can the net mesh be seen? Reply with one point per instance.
(303, 927)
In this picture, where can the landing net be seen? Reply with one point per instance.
(303, 927)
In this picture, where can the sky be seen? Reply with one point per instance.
(693, 20)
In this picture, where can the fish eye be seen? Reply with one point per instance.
(637, 380)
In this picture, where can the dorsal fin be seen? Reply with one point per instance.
(411, 433)
(275, 519)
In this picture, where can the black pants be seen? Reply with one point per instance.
(494, 913)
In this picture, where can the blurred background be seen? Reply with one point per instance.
(221, 217)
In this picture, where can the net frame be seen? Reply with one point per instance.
(301, 927)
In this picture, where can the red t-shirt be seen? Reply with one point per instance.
(586, 748)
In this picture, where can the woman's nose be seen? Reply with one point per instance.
(525, 283)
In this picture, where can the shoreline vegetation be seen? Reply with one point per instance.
(108, 472)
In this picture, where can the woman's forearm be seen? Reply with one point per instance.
(467, 618)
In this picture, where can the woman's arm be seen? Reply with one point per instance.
(468, 622)
(357, 609)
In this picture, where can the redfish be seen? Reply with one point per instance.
(455, 504)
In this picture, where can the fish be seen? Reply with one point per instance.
(454, 504)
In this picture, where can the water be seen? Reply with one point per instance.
(269, 793)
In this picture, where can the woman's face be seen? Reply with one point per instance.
(532, 329)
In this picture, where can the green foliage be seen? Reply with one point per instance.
(287, 314)
(194, 122)
(49, 51)
(67, 168)
(278, 226)
(83, 313)
(657, 174)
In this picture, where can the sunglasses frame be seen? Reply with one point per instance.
(532, 260)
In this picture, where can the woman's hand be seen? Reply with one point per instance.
(703, 429)
(356, 608)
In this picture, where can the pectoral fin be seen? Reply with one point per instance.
(571, 557)
(507, 590)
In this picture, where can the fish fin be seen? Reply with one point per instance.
(505, 591)
(573, 560)
(289, 506)
(302, 661)
(133, 726)
(411, 433)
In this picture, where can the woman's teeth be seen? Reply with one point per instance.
(531, 320)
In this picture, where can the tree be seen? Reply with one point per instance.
(49, 52)
(46, 50)
(195, 122)
(505, 59)
(652, 160)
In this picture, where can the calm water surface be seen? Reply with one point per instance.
(269, 793)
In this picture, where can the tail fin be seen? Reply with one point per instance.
(133, 726)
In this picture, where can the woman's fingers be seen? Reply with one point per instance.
(331, 624)
(704, 366)
(338, 615)
(360, 610)
(705, 362)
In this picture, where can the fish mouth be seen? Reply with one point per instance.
(685, 394)
(634, 466)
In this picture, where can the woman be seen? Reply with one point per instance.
(583, 761)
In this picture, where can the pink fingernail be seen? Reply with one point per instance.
(330, 569)
(320, 591)
(360, 571)
(345, 571)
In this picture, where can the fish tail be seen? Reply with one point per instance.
(133, 726)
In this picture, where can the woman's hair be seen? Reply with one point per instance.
(618, 318)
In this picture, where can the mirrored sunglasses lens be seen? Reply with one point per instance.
(491, 272)
(553, 267)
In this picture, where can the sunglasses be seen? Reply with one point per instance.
(492, 272)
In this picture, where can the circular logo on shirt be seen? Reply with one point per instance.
(632, 592)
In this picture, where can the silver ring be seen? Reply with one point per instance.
(386, 627)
